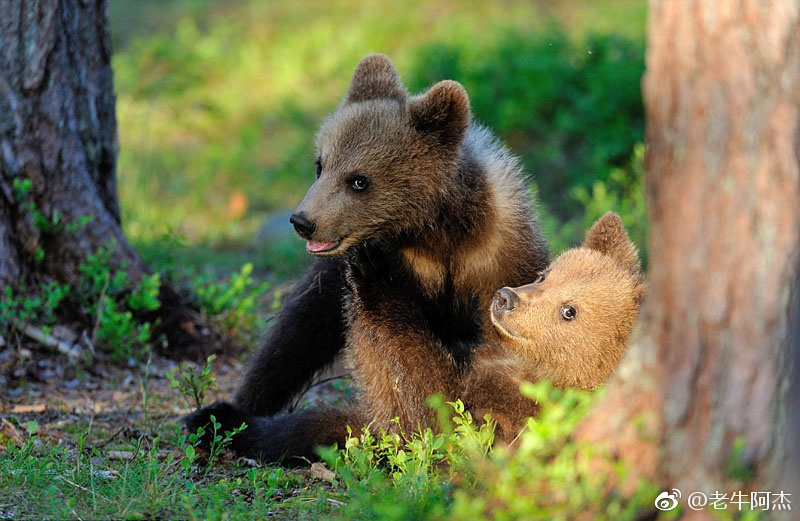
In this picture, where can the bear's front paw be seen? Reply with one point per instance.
(226, 415)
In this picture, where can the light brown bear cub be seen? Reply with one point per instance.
(571, 326)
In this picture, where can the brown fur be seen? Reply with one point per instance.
(603, 282)
(416, 150)
(445, 220)
(467, 238)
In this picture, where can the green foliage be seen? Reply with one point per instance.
(53, 225)
(219, 439)
(23, 194)
(452, 475)
(114, 309)
(117, 330)
(409, 470)
(548, 475)
(189, 442)
(191, 383)
(572, 110)
(42, 480)
(412, 460)
(233, 302)
(144, 296)
(105, 302)
(224, 106)
(623, 192)
(25, 307)
(216, 444)
(445, 474)
(22, 187)
(111, 300)
(108, 300)
(738, 467)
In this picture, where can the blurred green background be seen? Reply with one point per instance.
(218, 103)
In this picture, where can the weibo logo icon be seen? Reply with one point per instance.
(667, 500)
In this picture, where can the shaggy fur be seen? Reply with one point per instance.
(418, 216)
(603, 282)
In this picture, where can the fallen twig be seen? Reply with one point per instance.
(47, 340)
(101, 445)
(82, 487)
(120, 455)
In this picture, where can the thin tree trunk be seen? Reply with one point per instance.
(58, 129)
(711, 365)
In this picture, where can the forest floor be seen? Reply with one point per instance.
(57, 394)
(103, 441)
(99, 440)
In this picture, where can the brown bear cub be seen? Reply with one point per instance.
(417, 215)
(571, 326)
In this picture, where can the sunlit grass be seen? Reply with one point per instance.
(217, 112)
(446, 474)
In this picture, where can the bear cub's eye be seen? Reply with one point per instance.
(568, 312)
(318, 164)
(359, 183)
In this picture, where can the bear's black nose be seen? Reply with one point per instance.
(302, 225)
(505, 299)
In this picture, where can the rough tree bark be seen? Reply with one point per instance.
(58, 129)
(711, 361)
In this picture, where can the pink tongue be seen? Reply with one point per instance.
(315, 246)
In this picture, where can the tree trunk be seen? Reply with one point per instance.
(710, 369)
(58, 129)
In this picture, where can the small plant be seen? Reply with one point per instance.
(412, 471)
(414, 459)
(189, 443)
(23, 190)
(107, 304)
(193, 384)
(233, 302)
(24, 307)
(112, 300)
(53, 225)
(220, 439)
(144, 296)
(217, 440)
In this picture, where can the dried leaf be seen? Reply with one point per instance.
(9, 433)
(119, 455)
(22, 409)
(320, 471)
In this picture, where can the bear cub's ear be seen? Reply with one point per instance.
(375, 77)
(608, 236)
(442, 111)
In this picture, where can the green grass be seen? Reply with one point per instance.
(42, 481)
(376, 475)
(217, 110)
